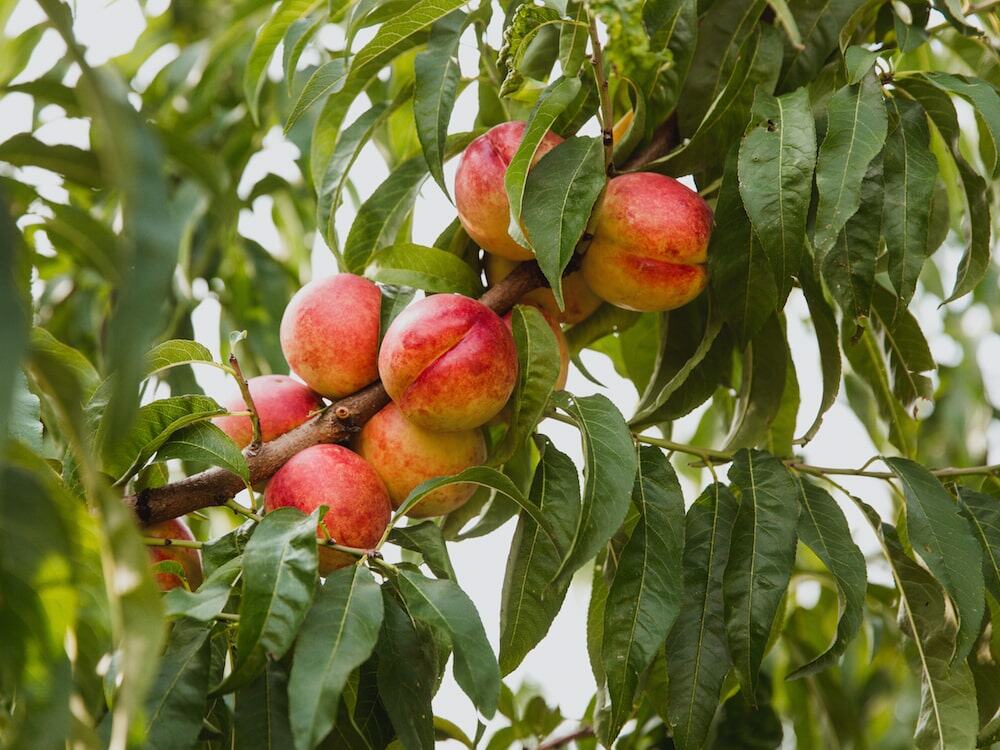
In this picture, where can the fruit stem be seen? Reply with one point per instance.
(257, 440)
(607, 112)
(240, 510)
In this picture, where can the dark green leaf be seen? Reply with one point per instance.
(821, 22)
(205, 443)
(261, 716)
(337, 636)
(75, 164)
(444, 606)
(426, 538)
(760, 395)
(859, 61)
(761, 557)
(177, 699)
(823, 528)
(279, 576)
(825, 326)
(427, 268)
(205, 604)
(269, 36)
(983, 513)
(909, 353)
(527, 21)
(21, 421)
(855, 132)
(986, 101)
(776, 163)
(573, 40)
(559, 195)
(646, 593)
(528, 604)
(329, 77)
(697, 653)
(175, 352)
(946, 543)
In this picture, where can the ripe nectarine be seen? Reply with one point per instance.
(188, 558)
(281, 402)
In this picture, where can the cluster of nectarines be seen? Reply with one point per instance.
(448, 362)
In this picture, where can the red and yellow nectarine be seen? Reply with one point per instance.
(579, 299)
(331, 475)
(281, 402)
(188, 558)
(650, 242)
(449, 362)
(404, 455)
(329, 334)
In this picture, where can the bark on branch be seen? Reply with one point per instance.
(335, 424)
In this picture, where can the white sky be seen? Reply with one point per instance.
(559, 664)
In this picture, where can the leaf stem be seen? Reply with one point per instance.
(257, 440)
(607, 111)
(579, 734)
(240, 510)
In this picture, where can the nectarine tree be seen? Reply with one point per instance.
(449, 237)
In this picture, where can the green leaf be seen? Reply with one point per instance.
(823, 528)
(646, 593)
(203, 442)
(177, 699)
(849, 266)
(855, 133)
(261, 715)
(983, 513)
(825, 326)
(427, 268)
(761, 557)
(155, 423)
(550, 104)
(329, 77)
(75, 164)
(776, 163)
(298, 35)
(46, 345)
(446, 608)
(15, 275)
(821, 22)
(175, 352)
(538, 369)
(697, 651)
(910, 175)
(267, 40)
(945, 542)
(526, 22)
(609, 470)
(573, 39)
(762, 386)
(559, 195)
(427, 539)
(528, 605)
(858, 61)
(279, 577)
(22, 422)
(739, 274)
(337, 636)
(205, 604)
(436, 83)
(909, 353)
(986, 101)
(407, 664)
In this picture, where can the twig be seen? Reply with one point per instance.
(607, 111)
(151, 541)
(257, 440)
(579, 734)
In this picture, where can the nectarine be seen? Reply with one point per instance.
(404, 455)
(331, 475)
(579, 299)
(480, 195)
(281, 402)
(449, 362)
(188, 558)
(329, 334)
(650, 242)
(561, 342)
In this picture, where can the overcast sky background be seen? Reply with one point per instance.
(559, 665)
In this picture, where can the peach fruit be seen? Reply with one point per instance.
(188, 558)
(329, 334)
(357, 503)
(580, 301)
(480, 195)
(650, 243)
(561, 341)
(405, 455)
(449, 362)
(281, 402)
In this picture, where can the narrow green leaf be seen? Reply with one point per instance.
(177, 699)
(261, 715)
(697, 651)
(175, 352)
(986, 101)
(762, 386)
(210, 599)
(647, 590)
(427, 268)
(550, 104)
(946, 543)
(821, 23)
(910, 175)
(528, 605)
(526, 22)
(299, 34)
(823, 528)
(538, 369)
(426, 539)
(329, 77)
(776, 163)
(337, 636)
(609, 470)
(75, 164)
(825, 327)
(436, 83)
(761, 557)
(267, 40)
(784, 16)
(22, 420)
(855, 133)
(559, 195)
(983, 513)
(407, 664)
(279, 576)
(203, 442)
(444, 606)
(858, 61)
(908, 352)
(573, 40)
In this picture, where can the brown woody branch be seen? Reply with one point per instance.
(335, 424)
